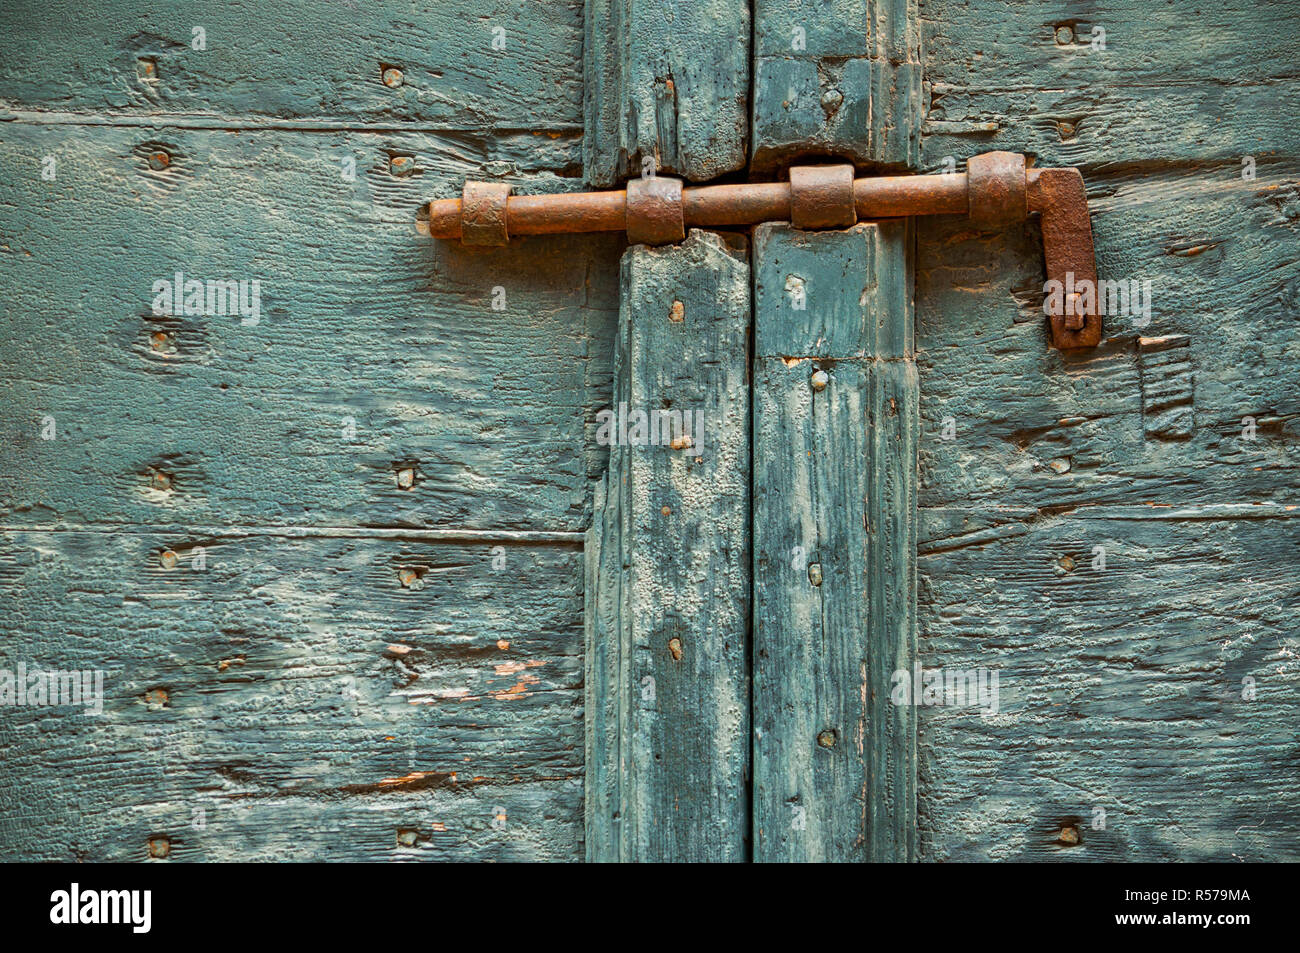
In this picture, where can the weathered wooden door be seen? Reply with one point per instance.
(354, 532)
(324, 541)
(1004, 602)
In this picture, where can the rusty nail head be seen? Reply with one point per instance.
(819, 380)
(1064, 35)
(168, 559)
(159, 160)
(675, 648)
(827, 738)
(161, 481)
(156, 699)
(406, 478)
(654, 213)
(1069, 835)
(159, 847)
(392, 77)
(401, 165)
(815, 573)
(821, 196)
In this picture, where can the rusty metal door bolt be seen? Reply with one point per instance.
(997, 191)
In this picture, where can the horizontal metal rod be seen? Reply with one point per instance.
(996, 191)
(711, 206)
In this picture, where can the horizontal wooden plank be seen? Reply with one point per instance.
(499, 64)
(1026, 44)
(376, 349)
(1124, 710)
(312, 696)
(1009, 421)
(1092, 127)
(538, 822)
(1212, 85)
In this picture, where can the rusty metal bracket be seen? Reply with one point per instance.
(997, 191)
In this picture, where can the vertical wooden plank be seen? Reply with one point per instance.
(835, 485)
(669, 567)
(666, 80)
(841, 77)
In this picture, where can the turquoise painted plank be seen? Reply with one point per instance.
(842, 79)
(1139, 82)
(667, 83)
(375, 350)
(1148, 699)
(668, 556)
(499, 64)
(835, 486)
(325, 696)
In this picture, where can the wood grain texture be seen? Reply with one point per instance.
(835, 491)
(381, 656)
(1123, 709)
(840, 78)
(321, 697)
(376, 349)
(666, 81)
(1172, 83)
(1032, 426)
(668, 583)
(503, 64)
(1172, 447)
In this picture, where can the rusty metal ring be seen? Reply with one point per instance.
(996, 190)
(483, 213)
(821, 196)
(654, 211)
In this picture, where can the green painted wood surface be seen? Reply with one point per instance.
(1124, 710)
(499, 65)
(375, 350)
(295, 698)
(667, 82)
(835, 490)
(1121, 688)
(668, 597)
(1174, 86)
(1122, 692)
(841, 78)
(359, 670)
